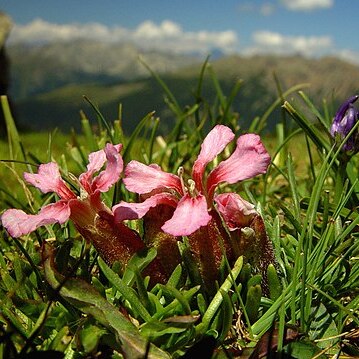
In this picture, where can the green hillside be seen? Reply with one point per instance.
(326, 78)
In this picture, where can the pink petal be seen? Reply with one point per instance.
(112, 173)
(249, 159)
(235, 211)
(124, 210)
(18, 223)
(191, 214)
(214, 143)
(142, 179)
(48, 179)
(97, 160)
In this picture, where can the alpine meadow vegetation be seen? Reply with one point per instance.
(212, 240)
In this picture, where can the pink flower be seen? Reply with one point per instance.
(193, 200)
(236, 212)
(83, 209)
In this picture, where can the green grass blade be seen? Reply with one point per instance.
(14, 141)
(125, 291)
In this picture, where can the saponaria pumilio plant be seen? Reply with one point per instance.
(216, 224)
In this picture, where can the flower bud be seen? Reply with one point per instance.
(344, 120)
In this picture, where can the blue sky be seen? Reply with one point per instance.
(308, 27)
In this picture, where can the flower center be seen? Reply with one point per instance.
(83, 193)
(190, 187)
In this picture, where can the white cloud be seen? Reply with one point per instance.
(167, 35)
(149, 29)
(307, 5)
(349, 56)
(43, 31)
(272, 42)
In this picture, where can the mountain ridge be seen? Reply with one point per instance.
(43, 67)
(61, 84)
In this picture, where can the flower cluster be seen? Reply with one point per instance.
(92, 218)
(81, 209)
(193, 199)
(170, 205)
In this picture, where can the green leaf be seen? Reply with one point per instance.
(275, 288)
(90, 336)
(303, 350)
(102, 120)
(127, 292)
(227, 316)
(157, 329)
(59, 342)
(89, 135)
(85, 298)
(254, 295)
(218, 298)
(14, 141)
(309, 127)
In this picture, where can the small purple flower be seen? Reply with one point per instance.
(344, 120)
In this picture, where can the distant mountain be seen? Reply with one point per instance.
(326, 77)
(42, 68)
(50, 82)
